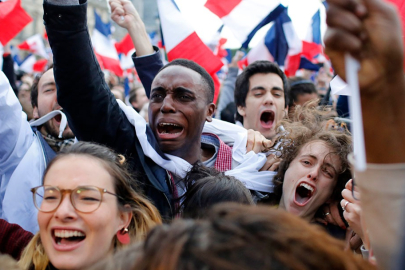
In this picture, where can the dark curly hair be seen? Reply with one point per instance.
(311, 124)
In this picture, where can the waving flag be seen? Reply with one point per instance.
(104, 47)
(280, 41)
(13, 19)
(125, 48)
(304, 59)
(245, 17)
(35, 45)
(181, 41)
(27, 64)
(314, 33)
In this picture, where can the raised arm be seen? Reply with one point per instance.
(92, 111)
(147, 58)
(371, 32)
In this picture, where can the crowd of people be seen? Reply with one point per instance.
(164, 178)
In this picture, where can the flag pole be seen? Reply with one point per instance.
(352, 69)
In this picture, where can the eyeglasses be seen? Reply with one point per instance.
(84, 199)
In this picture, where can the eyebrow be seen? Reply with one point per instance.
(262, 88)
(177, 89)
(48, 84)
(324, 163)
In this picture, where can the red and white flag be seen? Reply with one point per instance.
(242, 17)
(35, 45)
(181, 41)
(13, 19)
(125, 48)
(104, 47)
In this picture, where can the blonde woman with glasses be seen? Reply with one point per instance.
(87, 210)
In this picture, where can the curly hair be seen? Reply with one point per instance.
(310, 124)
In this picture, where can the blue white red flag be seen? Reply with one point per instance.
(314, 32)
(35, 45)
(280, 41)
(104, 46)
(245, 17)
(13, 19)
(181, 41)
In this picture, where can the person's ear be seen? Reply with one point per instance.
(286, 112)
(242, 111)
(125, 218)
(35, 113)
(210, 111)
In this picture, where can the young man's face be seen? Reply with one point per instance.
(46, 103)
(265, 104)
(178, 109)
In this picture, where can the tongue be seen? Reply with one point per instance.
(266, 120)
(58, 118)
(302, 195)
(171, 129)
(70, 240)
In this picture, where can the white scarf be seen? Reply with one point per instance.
(246, 166)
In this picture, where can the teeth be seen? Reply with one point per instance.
(168, 124)
(67, 234)
(307, 187)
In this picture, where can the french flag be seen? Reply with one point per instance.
(245, 17)
(104, 46)
(13, 19)
(181, 41)
(280, 41)
(125, 49)
(35, 45)
(314, 33)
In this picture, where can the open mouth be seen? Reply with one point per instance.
(58, 118)
(169, 128)
(68, 237)
(267, 119)
(303, 194)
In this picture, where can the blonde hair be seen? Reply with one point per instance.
(144, 214)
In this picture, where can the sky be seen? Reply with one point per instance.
(206, 24)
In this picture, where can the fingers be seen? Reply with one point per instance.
(271, 164)
(347, 195)
(257, 142)
(258, 145)
(250, 140)
(340, 40)
(355, 6)
(343, 19)
(349, 184)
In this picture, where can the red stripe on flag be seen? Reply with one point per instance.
(192, 48)
(14, 17)
(125, 45)
(222, 7)
(24, 46)
(40, 65)
(110, 64)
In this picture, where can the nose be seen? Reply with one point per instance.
(65, 210)
(313, 175)
(168, 105)
(268, 98)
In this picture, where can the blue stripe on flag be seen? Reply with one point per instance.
(103, 28)
(316, 27)
(275, 39)
(274, 14)
(306, 64)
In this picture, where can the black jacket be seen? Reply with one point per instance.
(92, 111)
